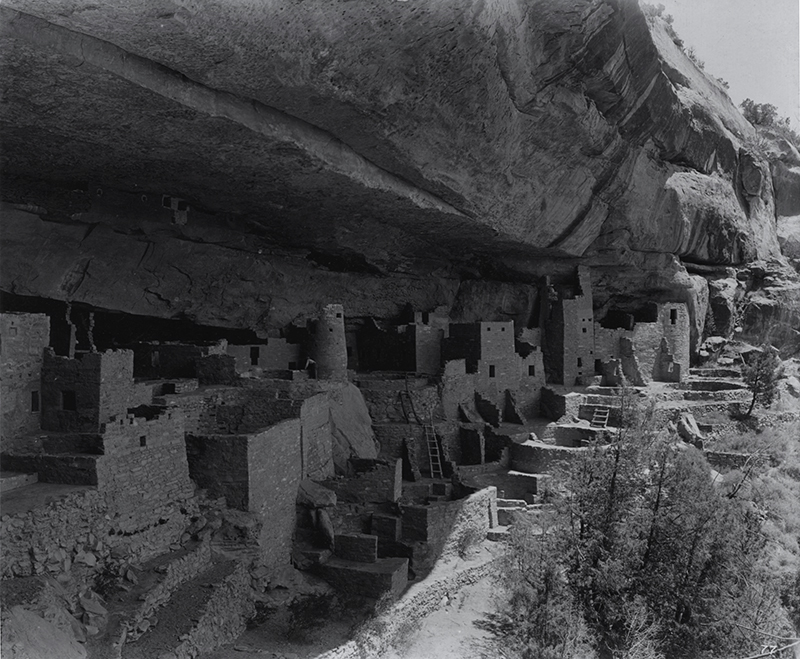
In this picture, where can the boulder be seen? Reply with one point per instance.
(314, 495)
(351, 427)
(688, 430)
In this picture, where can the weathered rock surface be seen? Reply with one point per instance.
(28, 636)
(370, 153)
(351, 427)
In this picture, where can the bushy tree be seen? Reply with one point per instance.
(766, 115)
(761, 376)
(657, 559)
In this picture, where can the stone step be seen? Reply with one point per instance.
(384, 576)
(202, 614)
(498, 534)
(13, 480)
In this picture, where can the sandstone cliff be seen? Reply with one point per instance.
(373, 153)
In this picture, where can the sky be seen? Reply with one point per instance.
(753, 44)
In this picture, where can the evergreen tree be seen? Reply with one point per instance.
(761, 377)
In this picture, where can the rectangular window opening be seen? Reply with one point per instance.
(34, 401)
(292, 366)
(584, 330)
(532, 370)
(168, 388)
(166, 201)
(491, 370)
(338, 314)
(143, 440)
(673, 316)
(255, 353)
(580, 362)
(425, 317)
(68, 401)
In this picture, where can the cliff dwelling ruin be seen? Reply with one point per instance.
(334, 289)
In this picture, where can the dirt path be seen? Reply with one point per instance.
(450, 632)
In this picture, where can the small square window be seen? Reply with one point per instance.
(68, 401)
(143, 440)
(502, 329)
(34, 401)
(338, 314)
(168, 388)
(183, 206)
(584, 330)
(491, 370)
(166, 201)
(292, 366)
(532, 370)
(488, 329)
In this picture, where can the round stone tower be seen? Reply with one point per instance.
(328, 344)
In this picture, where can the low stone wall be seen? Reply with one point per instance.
(421, 601)
(381, 483)
(224, 617)
(177, 572)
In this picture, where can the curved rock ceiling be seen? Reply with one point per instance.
(374, 152)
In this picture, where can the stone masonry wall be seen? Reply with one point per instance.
(428, 349)
(218, 463)
(144, 471)
(275, 355)
(23, 338)
(171, 360)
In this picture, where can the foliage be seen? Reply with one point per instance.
(761, 377)
(692, 55)
(766, 115)
(653, 12)
(646, 556)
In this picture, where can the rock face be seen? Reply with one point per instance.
(236, 165)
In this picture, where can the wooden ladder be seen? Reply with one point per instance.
(600, 417)
(433, 450)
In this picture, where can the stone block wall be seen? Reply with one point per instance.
(390, 405)
(458, 389)
(329, 344)
(428, 349)
(80, 394)
(218, 463)
(23, 338)
(171, 360)
(275, 355)
(379, 483)
(144, 472)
